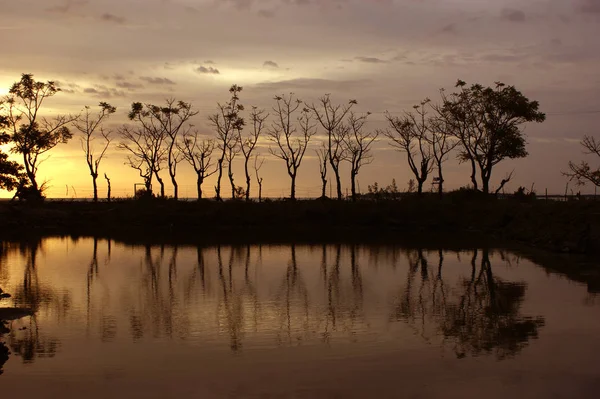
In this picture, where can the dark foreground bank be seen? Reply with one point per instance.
(557, 226)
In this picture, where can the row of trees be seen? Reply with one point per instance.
(482, 125)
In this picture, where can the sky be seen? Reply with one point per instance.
(386, 54)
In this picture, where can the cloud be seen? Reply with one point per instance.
(101, 91)
(107, 17)
(266, 13)
(67, 6)
(157, 81)
(211, 62)
(310, 84)
(128, 85)
(450, 28)
(512, 15)
(371, 60)
(270, 64)
(209, 70)
(590, 6)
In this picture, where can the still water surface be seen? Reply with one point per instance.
(325, 321)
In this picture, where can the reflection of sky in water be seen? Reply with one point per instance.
(149, 313)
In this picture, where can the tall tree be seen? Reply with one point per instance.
(198, 154)
(323, 157)
(91, 129)
(247, 144)
(487, 121)
(358, 143)
(233, 150)
(31, 134)
(411, 134)
(330, 117)
(291, 144)
(583, 173)
(227, 123)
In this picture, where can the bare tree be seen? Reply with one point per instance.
(330, 117)
(323, 156)
(358, 143)
(198, 154)
(90, 125)
(228, 123)
(290, 144)
(257, 165)
(32, 135)
(583, 173)
(247, 144)
(411, 134)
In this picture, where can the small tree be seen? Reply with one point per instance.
(89, 126)
(10, 171)
(330, 117)
(247, 144)
(487, 121)
(108, 191)
(442, 143)
(411, 134)
(583, 173)
(32, 135)
(323, 156)
(233, 149)
(358, 144)
(198, 154)
(283, 133)
(227, 123)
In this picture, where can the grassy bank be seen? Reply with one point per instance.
(559, 226)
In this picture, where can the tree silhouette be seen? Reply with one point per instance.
(33, 136)
(88, 125)
(323, 157)
(487, 121)
(257, 165)
(331, 117)
(411, 134)
(10, 171)
(227, 123)
(583, 173)
(198, 154)
(442, 143)
(283, 131)
(247, 144)
(358, 143)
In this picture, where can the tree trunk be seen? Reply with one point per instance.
(30, 173)
(420, 186)
(338, 182)
(199, 187)
(474, 175)
(94, 177)
(293, 189)
(260, 190)
(218, 186)
(175, 187)
(162, 185)
(353, 185)
(324, 188)
(230, 174)
(108, 193)
(441, 181)
(247, 179)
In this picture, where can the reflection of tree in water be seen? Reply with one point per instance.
(344, 304)
(29, 342)
(480, 315)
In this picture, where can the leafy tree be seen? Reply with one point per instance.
(290, 145)
(31, 134)
(228, 123)
(10, 171)
(487, 121)
(583, 173)
(90, 125)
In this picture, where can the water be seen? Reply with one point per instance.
(325, 321)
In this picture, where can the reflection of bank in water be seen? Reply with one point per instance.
(6, 315)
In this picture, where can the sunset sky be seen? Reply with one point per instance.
(386, 54)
